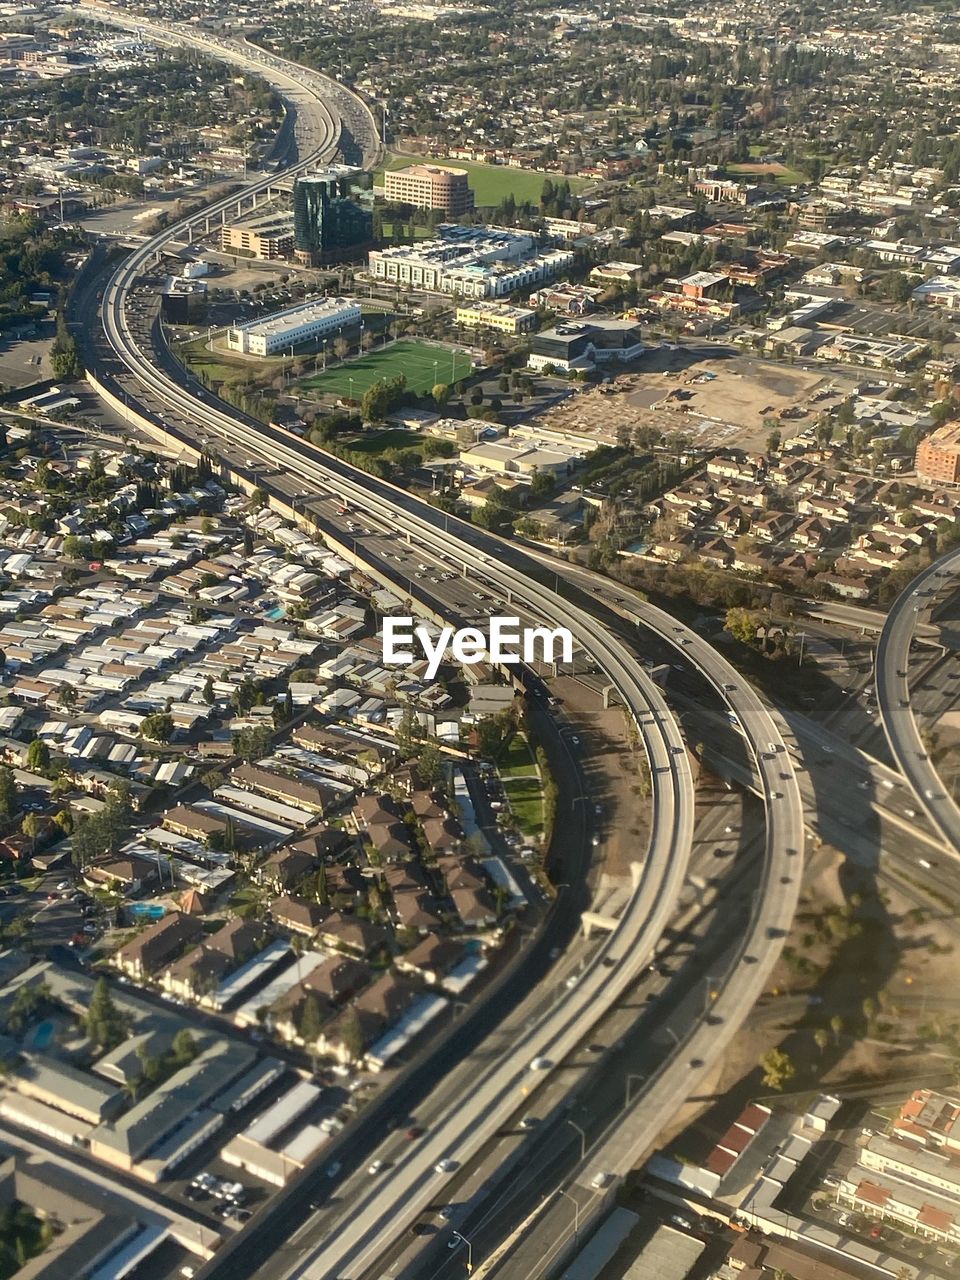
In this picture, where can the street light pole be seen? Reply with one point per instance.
(463, 1240)
(583, 1138)
(576, 1215)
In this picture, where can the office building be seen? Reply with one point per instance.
(294, 326)
(938, 457)
(269, 237)
(328, 226)
(584, 345)
(429, 186)
(496, 315)
(471, 262)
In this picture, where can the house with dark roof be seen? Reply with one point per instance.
(159, 944)
(299, 915)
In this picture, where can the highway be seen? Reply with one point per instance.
(329, 105)
(894, 697)
(283, 464)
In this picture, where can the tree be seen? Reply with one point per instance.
(209, 696)
(103, 1022)
(408, 732)
(774, 440)
(441, 394)
(837, 1026)
(38, 756)
(778, 1069)
(32, 826)
(157, 727)
(821, 1039)
(375, 402)
(430, 763)
(184, 1047)
(250, 744)
(351, 1034)
(742, 625)
(311, 1023)
(8, 793)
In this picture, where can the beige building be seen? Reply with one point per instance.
(491, 315)
(938, 457)
(269, 237)
(429, 186)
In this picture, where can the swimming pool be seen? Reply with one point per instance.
(276, 614)
(43, 1034)
(148, 910)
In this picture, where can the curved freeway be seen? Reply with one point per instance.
(298, 85)
(893, 697)
(400, 1194)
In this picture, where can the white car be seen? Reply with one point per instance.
(375, 1168)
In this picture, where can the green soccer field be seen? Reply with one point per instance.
(423, 364)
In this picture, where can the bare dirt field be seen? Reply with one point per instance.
(885, 1010)
(714, 400)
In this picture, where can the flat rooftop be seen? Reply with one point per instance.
(293, 318)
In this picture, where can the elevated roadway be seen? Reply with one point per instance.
(894, 700)
(295, 473)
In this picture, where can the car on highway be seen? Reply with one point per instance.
(376, 1167)
(601, 1180)
(529, 1122)
(541, 1063)
(445, 1165)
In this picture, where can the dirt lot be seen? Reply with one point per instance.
(881, 995)
(715, 400)
(614, 776)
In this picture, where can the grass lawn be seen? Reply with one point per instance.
(517, 761)
(376, 443)
(199, 359)
(491, 183)
(419, 233)
(778, 172)
(526, 803)
(414, 359)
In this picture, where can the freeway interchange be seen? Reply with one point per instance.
(301, 479)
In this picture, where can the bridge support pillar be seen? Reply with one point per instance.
(608, 689)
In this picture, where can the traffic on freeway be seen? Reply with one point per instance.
(300, 476)
(894, 696)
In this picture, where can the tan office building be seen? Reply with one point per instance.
(938, 457)
(429, 186)
(269, 237)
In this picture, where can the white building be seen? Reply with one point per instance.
(288, 329)
(472, 262)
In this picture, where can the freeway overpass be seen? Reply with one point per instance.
(893, 695)
(194, 419)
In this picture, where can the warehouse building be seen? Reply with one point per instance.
(294, 327)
